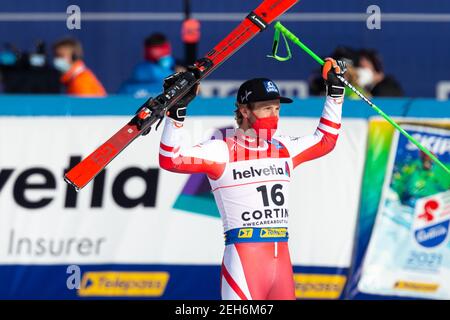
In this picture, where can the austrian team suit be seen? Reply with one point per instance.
(250, 179)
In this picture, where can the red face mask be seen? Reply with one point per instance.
(155, 52)
(265, 127)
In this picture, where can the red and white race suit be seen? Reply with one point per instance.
(250, 178)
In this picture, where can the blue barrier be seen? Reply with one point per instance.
(12, 105)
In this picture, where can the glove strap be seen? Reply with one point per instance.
(177, 113)
(335, 91)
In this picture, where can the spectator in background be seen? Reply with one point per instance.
(372, 77)
(76, 77)
(350, 56)
(148, 76)
(29, 73)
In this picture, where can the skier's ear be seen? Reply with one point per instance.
(244, 110)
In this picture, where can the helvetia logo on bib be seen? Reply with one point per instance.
(432, 219)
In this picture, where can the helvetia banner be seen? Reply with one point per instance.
(409, 250)
(139, 231)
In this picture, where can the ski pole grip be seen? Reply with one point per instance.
(297, 41)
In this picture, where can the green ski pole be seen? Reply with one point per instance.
(289, 35)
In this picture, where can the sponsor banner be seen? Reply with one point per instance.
(318, 286)
(134, 213)
(98, 281)
(147, 282)
(124, 216)
(409, 250)
(320, 283)
(123, 284)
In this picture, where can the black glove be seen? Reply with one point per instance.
(330, 70)
(178, 111)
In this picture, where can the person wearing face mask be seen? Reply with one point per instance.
(76, 77)
(371, 76)
(28, 73)
(147, 76)
(249, 170)
(350, 57)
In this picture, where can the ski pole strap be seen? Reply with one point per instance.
(280, 28)
(276, 43)
(288, 34)
(241, 235)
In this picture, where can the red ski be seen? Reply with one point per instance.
(155, 108)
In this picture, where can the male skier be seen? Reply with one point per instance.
(249, 173)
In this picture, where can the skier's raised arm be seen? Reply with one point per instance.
(209, 157)
(324, 139)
